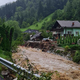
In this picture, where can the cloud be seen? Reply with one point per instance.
(3, 2)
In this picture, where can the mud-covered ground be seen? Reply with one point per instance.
(47, 62)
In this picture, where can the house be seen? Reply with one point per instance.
(63, 28)
(31, 31)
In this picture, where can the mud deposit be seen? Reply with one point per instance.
(47, 62)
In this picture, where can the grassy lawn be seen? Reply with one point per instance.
(34, 26)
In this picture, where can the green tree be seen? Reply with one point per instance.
(24, 24)
(6, 36)
(40, 10)
(16, 27)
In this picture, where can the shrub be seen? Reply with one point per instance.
(58, 51)
(75, 47)
(76, 58)
(27, 37)
(61, 45)
(5, 54)
(36, 25)
(66, 48)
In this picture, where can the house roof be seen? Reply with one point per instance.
(31, 31)
(36, 35)
(64, 23)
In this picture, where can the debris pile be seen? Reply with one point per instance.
(8, 75)
(44, 45)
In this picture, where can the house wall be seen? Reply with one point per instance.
(73, 31)
(76, 30)
(67, 29)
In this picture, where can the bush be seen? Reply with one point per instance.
(76, 58)
(27, 37)
(58, 51)
(66, 48)
(75, 47)
(5, 54)
(17, 42)
(61, 45)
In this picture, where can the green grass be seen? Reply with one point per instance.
(6, 55)
(47, 19)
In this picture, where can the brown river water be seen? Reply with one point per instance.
(43, 61)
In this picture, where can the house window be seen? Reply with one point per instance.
(77, 33)
(69, 32)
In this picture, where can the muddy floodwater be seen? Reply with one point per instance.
(47, 62)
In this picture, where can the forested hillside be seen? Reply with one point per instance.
(71, 11)
(28, 12)
(34, 14)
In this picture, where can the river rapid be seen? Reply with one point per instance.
(47, 62)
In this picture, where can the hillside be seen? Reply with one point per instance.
(71, 11)
(41, 24)
(38, 14)
(28, 12)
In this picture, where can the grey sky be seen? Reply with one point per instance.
(3, 2)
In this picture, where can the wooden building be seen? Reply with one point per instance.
(63, 28)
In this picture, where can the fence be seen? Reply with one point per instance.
(18, 69)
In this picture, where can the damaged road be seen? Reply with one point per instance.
(47, 62)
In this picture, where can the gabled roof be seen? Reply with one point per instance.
(64, 23)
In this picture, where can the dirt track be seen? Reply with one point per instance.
(48, 62)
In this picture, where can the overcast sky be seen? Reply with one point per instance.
(3, 2)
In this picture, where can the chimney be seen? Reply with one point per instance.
(72, 23)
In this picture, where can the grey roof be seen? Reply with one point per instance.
(36, 35)
(31, 31)
(64, 23)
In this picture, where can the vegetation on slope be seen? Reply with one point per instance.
(43, 24)
(28, 12)
(70, 12)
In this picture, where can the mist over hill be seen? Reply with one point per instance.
(3, 2)
(37, 12)
(28, 12)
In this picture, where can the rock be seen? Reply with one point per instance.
(4, 73)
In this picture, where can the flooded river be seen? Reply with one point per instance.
(44, 61)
